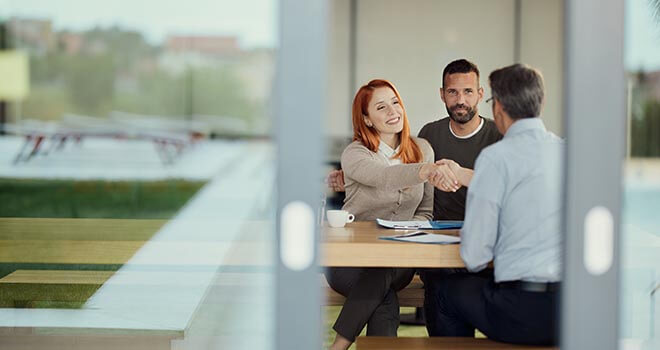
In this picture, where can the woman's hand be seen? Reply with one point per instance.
(444, 178)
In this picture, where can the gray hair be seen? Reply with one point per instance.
(519, 89)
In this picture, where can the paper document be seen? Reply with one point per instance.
(426, 225)
(424, 237)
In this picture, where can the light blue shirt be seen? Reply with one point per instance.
(514, 204)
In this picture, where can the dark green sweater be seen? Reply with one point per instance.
(451, 205)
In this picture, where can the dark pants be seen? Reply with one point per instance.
(458, 303)
(370, 299)
(433, 280)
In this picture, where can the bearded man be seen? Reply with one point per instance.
(462, 135)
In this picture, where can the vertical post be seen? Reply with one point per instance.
(300, 105)
(595, 129)
(352, 51)
(3, 105)
(517, 27)
(190, 107)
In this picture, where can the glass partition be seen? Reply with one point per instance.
(137, 175)
(640, 266)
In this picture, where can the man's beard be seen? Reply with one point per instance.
(470, 112)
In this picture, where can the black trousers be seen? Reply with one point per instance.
(371, 299)
(456, 304)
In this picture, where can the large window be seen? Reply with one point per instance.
(137, 175)
(203, 63)
(640, 278)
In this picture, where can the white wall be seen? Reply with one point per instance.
(409, 42)
(338, 122)
(542, 47)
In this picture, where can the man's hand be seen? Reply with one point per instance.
(461, 176)
(335, 180)
(444, 177)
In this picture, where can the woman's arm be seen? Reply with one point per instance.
(361, 165)
(425, 209)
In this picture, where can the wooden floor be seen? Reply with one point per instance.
(438, 343)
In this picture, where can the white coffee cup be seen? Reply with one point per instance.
(339, 218)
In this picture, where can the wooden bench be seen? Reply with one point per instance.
(440, 343)
(57, 277)
(173, 305)
(50, 286)
(412, 295)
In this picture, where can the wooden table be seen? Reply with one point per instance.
(357, 244)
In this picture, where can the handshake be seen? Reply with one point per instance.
(445, 174)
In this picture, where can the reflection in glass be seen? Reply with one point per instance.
(640, 310)
(136, 175)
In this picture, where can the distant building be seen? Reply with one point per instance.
(256, 70)
(217, 46)
(180, 52)
(70, 43)
(651, 81)
(34, 35)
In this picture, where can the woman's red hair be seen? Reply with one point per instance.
(409, 151)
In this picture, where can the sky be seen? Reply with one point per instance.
(252, 21)
(642, 36)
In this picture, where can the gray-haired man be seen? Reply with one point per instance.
(513, 219)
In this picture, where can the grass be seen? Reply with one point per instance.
(20, 198)
(60, 296)
(94, 199)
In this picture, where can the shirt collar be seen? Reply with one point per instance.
(525, 124)
(481, 124)
(386, 150)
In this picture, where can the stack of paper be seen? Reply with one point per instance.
(423, 237)
(427, 225)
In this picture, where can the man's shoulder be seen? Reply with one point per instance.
(434, 126)
(496, 152)
(490, 130)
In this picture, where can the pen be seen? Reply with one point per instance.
(420, 233)
(406, 227)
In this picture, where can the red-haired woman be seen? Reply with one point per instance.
(385, 170)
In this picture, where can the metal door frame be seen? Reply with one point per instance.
(594, 111)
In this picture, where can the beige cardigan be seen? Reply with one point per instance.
(375, 189)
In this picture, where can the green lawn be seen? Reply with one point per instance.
(94, 199)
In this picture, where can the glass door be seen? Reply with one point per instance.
(160, 174)
(612, 245)
(639, 321)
